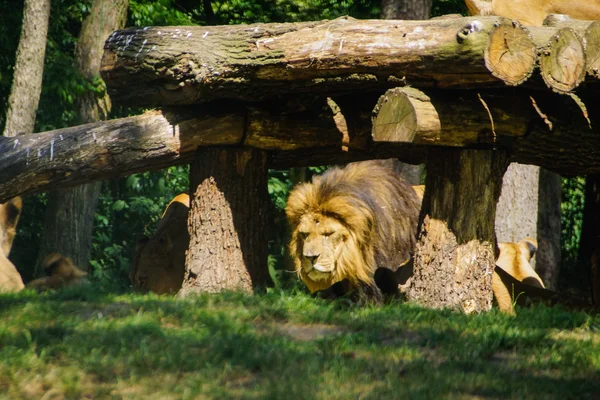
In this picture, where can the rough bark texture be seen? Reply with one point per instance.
(70, 212)
(405, 9)
(455, 258)
(29, 68)
(227, 222)
(180, 65)
(548, 257)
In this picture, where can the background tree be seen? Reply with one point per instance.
(29, 66)
(70, 213)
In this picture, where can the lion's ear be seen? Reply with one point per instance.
(529, 247)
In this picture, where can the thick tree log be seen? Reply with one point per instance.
(511, 54)
(450, 118)
(455, 254)
(591, 38)
(227, 221)
(562, 58)
(81, 154)
(182, 65)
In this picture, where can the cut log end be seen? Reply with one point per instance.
(563, 61)
(510, 55)
(404, 114)
(592, 51)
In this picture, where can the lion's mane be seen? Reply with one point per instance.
(379, 209)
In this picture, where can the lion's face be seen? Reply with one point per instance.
(321, 240)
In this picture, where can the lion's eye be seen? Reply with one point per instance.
(303, 235)
(327, 234)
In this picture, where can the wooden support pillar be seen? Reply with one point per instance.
(455, 254)
(227, 221)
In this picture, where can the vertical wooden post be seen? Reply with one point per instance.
(227, 221)
(455, 254)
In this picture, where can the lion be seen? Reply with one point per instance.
(61, 272)
(533, 12)
(10, 279)
(349, 223)
(159, 261)
(514, 260)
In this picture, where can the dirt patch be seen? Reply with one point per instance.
(307, 332)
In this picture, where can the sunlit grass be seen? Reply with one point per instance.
(89, 342)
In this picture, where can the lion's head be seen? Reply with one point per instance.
(159, 261)
(350, 221)
(61, 272)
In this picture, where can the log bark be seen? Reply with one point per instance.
(182, 65)
(590, 31)
(29, 67)
(455, 253)
(227, 222)
(71, 156)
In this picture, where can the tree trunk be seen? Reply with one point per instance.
(517, 210)
(589, 245)
(29, 68)
(455, 254)
(407, 10)
(70, 213)
(548, 257)
(227, 221)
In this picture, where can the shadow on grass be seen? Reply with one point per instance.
(231, 346)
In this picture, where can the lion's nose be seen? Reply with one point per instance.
(312, 259)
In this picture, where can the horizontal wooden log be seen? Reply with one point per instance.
(562, 58)
(183, 65)
(450, 118)
(38, 162)
(590, 31)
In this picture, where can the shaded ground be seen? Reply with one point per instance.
(83, 343)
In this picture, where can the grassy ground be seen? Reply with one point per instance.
(89, 343)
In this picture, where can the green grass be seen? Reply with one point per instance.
(90, 343)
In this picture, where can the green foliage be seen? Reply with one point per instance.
(128, 208)
(573, 196)
(158, 13)
(87, 343)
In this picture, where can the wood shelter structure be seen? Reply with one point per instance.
(465, 95)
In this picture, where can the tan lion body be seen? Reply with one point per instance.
(159, 262)
(350, 221)
(10, 279)
(533, 12)
(514, 259)
(61, 273)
